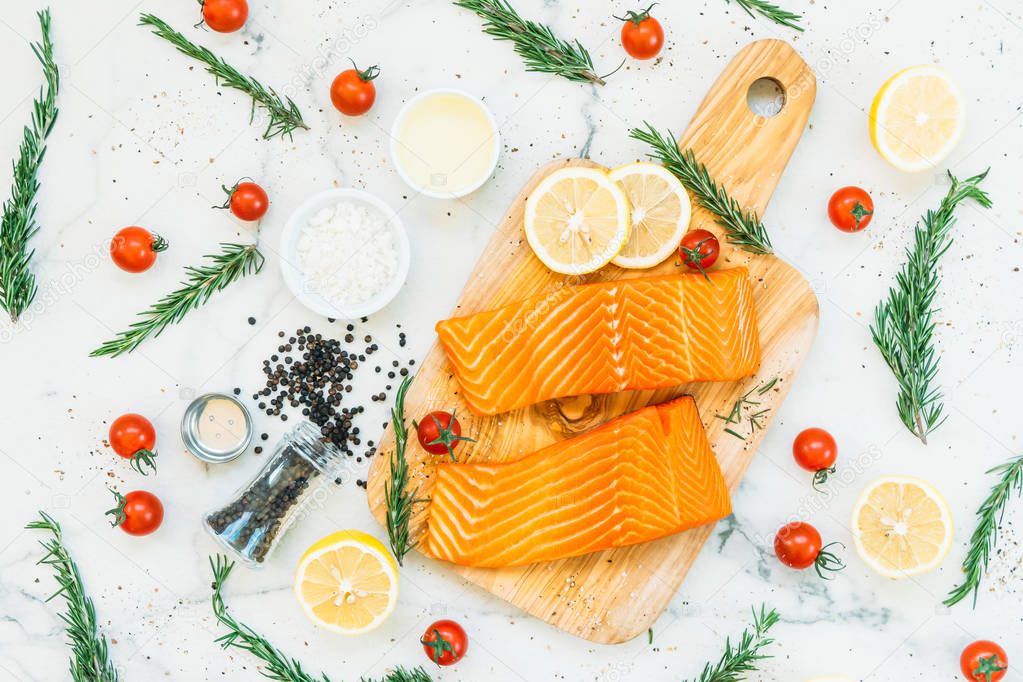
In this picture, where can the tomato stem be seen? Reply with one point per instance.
(987, 667)
(118, 511)
(693, 256)
(828, 562)
(446, 436)
(142, 458)
(859, 212)
(636, 17)
(367, 75)
(439, 645)
(820, 477)
(159, 244)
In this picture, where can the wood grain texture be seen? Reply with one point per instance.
(613, 596)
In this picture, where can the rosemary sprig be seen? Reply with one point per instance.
(770, 11)
(400, 500)
(18, 224)
(541, 50)
(284, 116)
(903, 328)
(743, 658)
(232, 263)
(985, 536)
(90, 661)
(400, 674)
(742, 226)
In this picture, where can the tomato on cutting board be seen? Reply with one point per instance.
(445, 642)
(134, 248)
(133, 437)
(851, 209)
(699, 250)
(353, 92)
(798, 545)
(440, 432)
(642, 35)
(816, 450)
(246, 200)
(224, 16)
(137, 513)
(984, 661)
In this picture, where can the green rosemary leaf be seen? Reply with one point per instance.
(743, 657)
(770, 11)
(539, 48)
(985, 535)
(742, 227)
(284, 116)
(903, 328)
(233, 262)
(400, 500)
(18, 224)
(90, 660)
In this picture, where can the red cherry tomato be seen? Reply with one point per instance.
(225, 16)
(851, 209)
(699, 249)
(642, 35)
(132, 436)
(353, 92)
(134, 249)
(137, 513)
(440, 432)
(984, 661)
(798, 545)
(247, 200)
(816, 450)
(445, 642)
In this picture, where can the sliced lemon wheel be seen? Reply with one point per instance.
(917, 118)
(577, 220)
(347, 582)
(660, 214)
(902, 526)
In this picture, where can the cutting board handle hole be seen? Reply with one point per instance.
(766, 97)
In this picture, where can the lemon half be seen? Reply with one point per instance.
(347, 582)
(660, 214)
(577, 220)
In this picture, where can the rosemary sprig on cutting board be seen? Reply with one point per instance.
(742, 226)
(232, 263)
(770, 11)
(90, 660)
(278, 666)
(743, 658)
(903, 328)
(18, 224)
(284, 116)
(400, 500)
(985, 535)
(537, 45)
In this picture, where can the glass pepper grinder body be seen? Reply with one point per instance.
(303, 466)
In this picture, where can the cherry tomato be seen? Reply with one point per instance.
(247, 200)
(642, 35)
(132, 436)
(353, 92)
(984, 661)
(440, 432)
(137, 513)
(816, 450)
(851, 209)
(798, 545)
(445, 642)
(134, 249)
(225, 16)
(699, 249)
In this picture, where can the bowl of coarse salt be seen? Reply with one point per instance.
(344, 253)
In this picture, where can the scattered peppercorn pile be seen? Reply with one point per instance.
(314, 373)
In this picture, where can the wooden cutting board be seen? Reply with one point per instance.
(616, 595)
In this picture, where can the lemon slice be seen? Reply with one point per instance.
(347, 582)
(660, 214)
(917, 118)
(577, 220)
(902, 526)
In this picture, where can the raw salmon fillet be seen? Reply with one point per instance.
(637, 478)
(633, 334)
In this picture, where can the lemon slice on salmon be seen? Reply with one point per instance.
(917, 118)
(577, 219)
(347, 582)
(660, 214)
(902, 526)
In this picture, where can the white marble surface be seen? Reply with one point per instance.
(145, 138)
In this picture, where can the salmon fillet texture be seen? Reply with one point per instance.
(637, 478)
(634, 334)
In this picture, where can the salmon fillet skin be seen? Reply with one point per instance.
(634, 334)
(639, 477)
